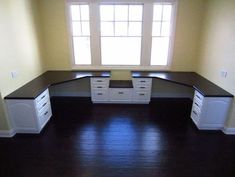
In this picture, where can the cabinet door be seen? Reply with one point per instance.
(214, 111)
(23, 115)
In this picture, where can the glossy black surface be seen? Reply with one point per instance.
(191, 79)
(33, 88)
(87, 140)
(120, 84)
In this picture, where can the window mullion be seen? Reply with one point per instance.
(146, 34)
(95, 34)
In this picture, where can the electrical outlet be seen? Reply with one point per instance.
(14, 74)
(223, 74)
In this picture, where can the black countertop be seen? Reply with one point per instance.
(190, 79)
(35, 87)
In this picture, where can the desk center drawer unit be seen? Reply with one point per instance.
(210, 113)
(30, 115)
(137, 90)
(99, 89)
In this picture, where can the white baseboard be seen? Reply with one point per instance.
(7, 133)
(228, 131)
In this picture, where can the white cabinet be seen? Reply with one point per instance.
(99, 89)
(30, 115)
(210, 113)
(142, 90)
(140, 93)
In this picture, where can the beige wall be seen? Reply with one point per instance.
(56, 42)
(19, 47)
(218, 47)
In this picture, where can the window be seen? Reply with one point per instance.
(129, 35)
(81, 34)
(161, 34)
(121, 27)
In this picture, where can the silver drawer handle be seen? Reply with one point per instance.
(198, 97)
(43, 97)
(197, 104)
(142, 81)
(120, 93)
(99, 81)
(44, 104)
(99, 87)
(45, 113)
(195, 113)
(99, 93)
(141, 94)
(142, 87)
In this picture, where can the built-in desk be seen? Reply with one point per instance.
(29, 106)
(190, 79)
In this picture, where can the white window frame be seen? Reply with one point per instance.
(145, 41)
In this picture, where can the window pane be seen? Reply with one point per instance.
(165, 29)
(120, 28)
(167, 12)
(135, 28)
(75, 12)
(160, 47)
(84, 12)
(120, 50)
(106, 12)
(157, 12)
(156, 31)
(121, 13)
(107, 29)
(85, 29)
(82, 52)
(135, 12)
(76, 27)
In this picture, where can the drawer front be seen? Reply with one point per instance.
(44, 115)
(142, 81)
(198, 96)
(43, 96)
(100, 81)
(195, 114)
(42, 105)
(142, 87)
(99, 95)
(141, 96)
(100, 86)
(120, 94)
(197, 105)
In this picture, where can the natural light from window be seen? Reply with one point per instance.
(161, 34)
(121, 31)
(81, 34)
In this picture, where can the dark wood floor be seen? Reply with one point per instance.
(86, 140)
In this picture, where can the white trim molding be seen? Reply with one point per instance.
(229, 130)
(7, 133)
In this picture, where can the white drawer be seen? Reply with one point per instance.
(142, 87)
(99, 95)
(44, 115)
(142, 81)
(198, 96)
(44, 95)
(99, 80)
(99, 86)
(197, 104)
(120, 94)
(195, 115)
(141, 96)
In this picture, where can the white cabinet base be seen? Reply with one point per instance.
(29, 115)
(210, 113)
